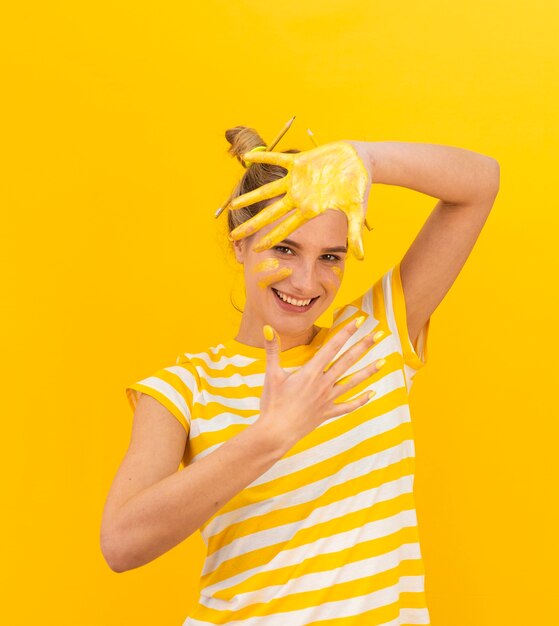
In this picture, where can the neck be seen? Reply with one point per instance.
(250, 333)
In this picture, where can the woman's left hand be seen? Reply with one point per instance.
(331, 176)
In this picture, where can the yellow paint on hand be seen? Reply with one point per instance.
(331, 176)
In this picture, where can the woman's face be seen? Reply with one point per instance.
(307, 265)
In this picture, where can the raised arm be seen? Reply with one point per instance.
(466, 184)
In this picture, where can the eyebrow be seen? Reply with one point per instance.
(296, 245)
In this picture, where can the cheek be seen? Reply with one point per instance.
(269, 271)
(269, 263)
(334, 277)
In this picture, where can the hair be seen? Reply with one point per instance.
(243, 139)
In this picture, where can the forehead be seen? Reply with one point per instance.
(327, 229)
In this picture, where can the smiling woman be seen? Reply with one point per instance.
(303, 271)
(294, 442)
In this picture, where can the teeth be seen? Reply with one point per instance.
(292, 300)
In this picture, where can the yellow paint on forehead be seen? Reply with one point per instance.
(282, 273)
(267, 264)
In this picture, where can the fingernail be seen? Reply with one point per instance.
(380, 363)
(268, 332)
(359, 321)
(378, 335)
(371, 394)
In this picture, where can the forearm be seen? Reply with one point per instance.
(455, 175)
(163, 515)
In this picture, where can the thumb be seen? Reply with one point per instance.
(273, 349)
(354, 235)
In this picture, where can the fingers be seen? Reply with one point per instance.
(352, 355)
(273, 349)
(323, 357)
(275, 158)
(264, 192)
(267, 215)
(280, 232)
(354, 229)
(352, 380)
(342, 408)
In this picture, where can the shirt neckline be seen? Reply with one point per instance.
(294, 356)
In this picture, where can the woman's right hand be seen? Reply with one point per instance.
(295, 403)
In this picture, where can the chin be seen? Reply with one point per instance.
(294, 323)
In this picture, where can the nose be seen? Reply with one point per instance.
(304, 279)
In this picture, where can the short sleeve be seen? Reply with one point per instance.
(415, 357)
(175, 387)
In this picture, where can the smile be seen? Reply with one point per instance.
(291, 304)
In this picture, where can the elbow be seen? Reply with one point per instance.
(495, 170)
(112, 554)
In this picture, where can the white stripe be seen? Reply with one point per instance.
(224, 420)
(367, 303)
(186, 377)
(310, 492)
(250, 403)
(316, 581)
(338, 608)
(349, 310)
(237, 360)
(280, 534)
(382, 386)
(221, 422)
(409, 372)
(311, 456)
(156, 383)
(381, 349)
(250, 380)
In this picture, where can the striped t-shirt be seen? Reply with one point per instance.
(327, 535)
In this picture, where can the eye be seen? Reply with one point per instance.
(334, 257)
(280, 248)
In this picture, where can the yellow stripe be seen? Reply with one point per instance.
(290, 514)
(375, 477)
(399, 304)
(323, 562)
(330, 430)
(163, 399)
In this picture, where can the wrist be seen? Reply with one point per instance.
(272, 436)
(365, 151)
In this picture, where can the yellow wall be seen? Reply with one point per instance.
(113, 163)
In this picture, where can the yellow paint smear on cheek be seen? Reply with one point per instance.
(266, 265)
(338, 271)
(335, 281)
(282, 273)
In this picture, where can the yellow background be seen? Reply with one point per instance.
(113, 163)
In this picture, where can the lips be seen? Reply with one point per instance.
(286, 306)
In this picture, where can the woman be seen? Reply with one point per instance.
(296, 439)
